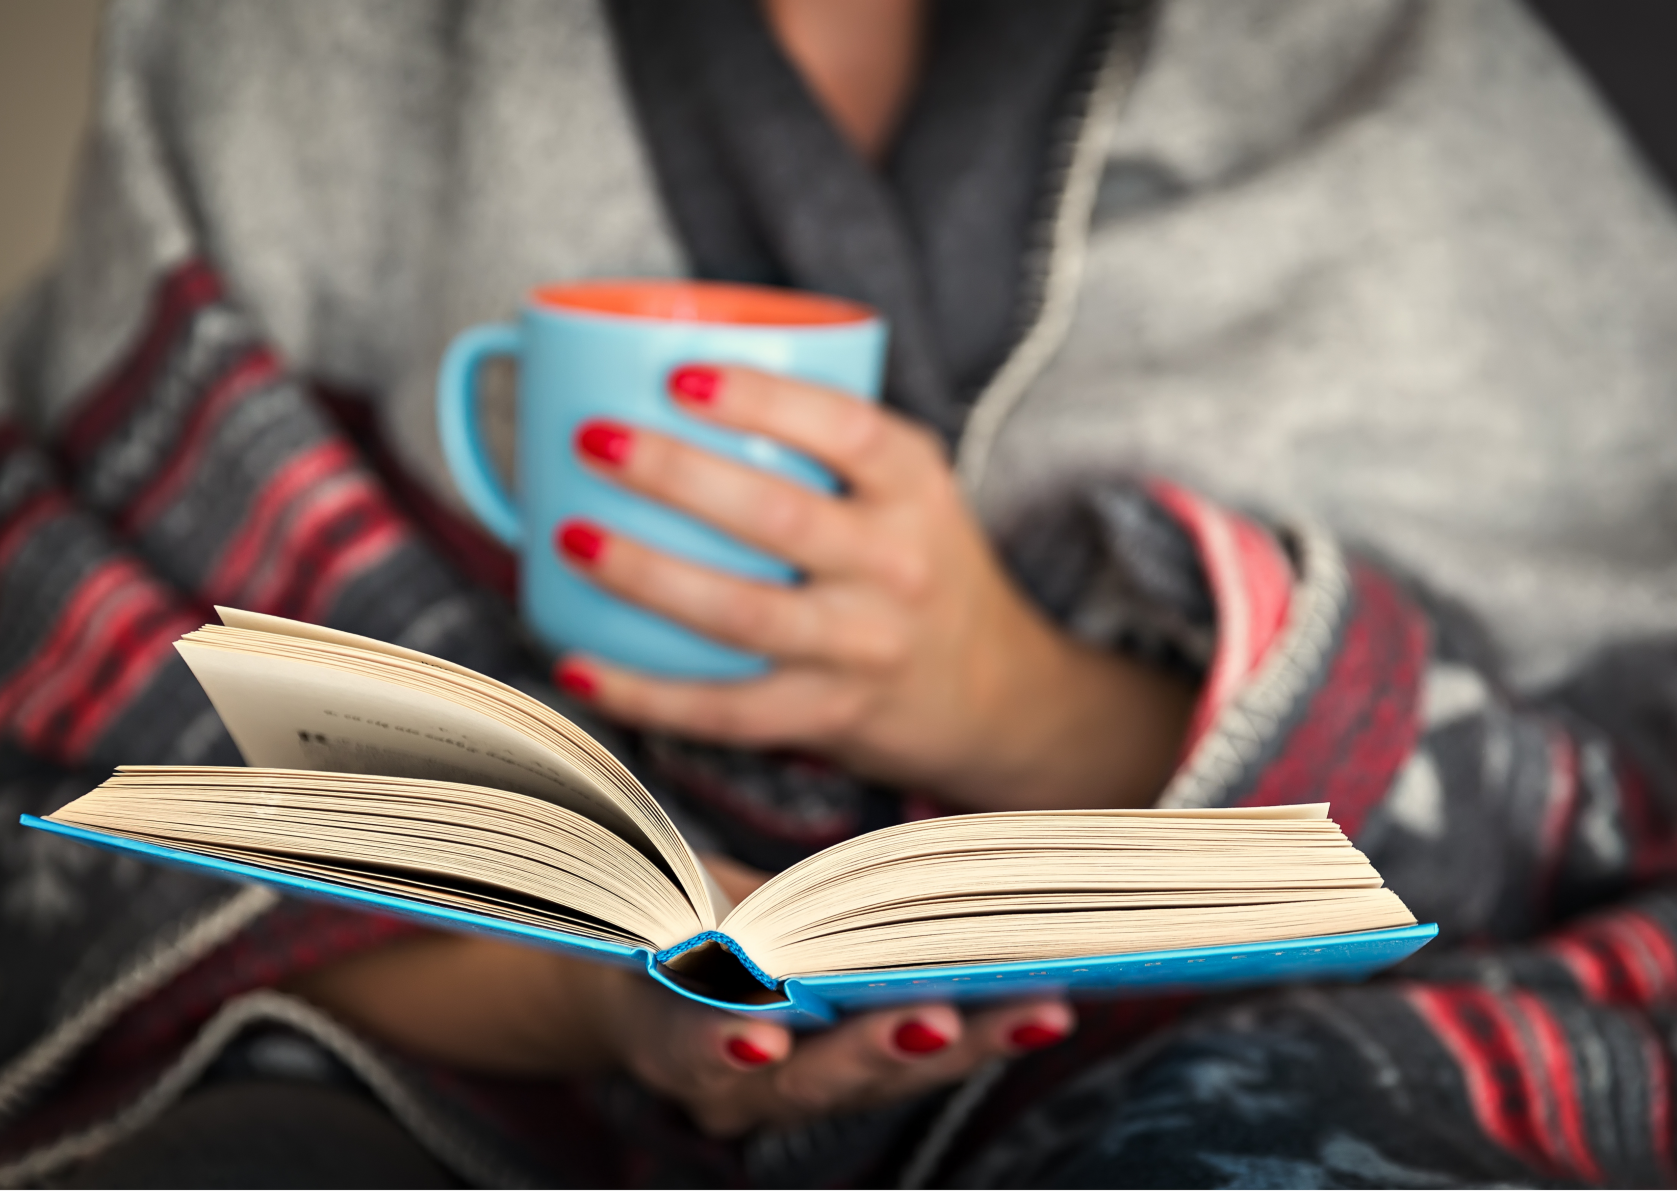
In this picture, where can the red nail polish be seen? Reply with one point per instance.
(580, 541)
(748, 1053)
(917, 1038)
(574, 680)
(605, 442)
(1034, 1037)
(696, 383)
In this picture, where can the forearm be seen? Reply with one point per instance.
(1075, 727)
(494, 1006)
(475, 1003)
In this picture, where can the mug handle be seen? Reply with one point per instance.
(457, 425)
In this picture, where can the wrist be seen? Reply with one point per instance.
(474, 1002)
(1073, 726)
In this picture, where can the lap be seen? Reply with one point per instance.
(268, 1134)
(1313, 1088)
(1374, 1086)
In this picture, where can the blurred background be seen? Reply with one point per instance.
(46, 70)
(46, 76)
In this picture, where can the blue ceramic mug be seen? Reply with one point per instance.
(605, 349)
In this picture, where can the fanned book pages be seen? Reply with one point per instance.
(385, 778)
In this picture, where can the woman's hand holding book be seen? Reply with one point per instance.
(732, 1075)
(492, 1006)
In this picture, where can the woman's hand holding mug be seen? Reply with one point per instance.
(905, 653)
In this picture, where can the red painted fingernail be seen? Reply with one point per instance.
(696, 383)
(917, 1038)
(1034, 1037)
(605, 442)
(748, 1052)
(573, 679)
(580, 541)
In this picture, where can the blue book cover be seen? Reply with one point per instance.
(817, 1000)
(403, 784)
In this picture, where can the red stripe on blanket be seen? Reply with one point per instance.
(113, 635)
(1517, 1071)
(329, 542)
(314, 526)
(374, 541)
(1658, 1066)
(1477, 1039)
(1251, 585)
(1363, 722)
(461, 540)
(1616, 977)
(33, 513)
(113, 644)
(178, 298)
(1618, 957)
(67, 633)
(251, 370)
(1585, 964)
(1649, 949)
(318, 523)
(1648, 830)
(315, 474)
(1568, 1144)
(138, 650)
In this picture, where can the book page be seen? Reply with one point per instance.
(317, 699)
(286, 714)
(441, 842)
(1014, 937)
(1060, 884)
(262, 622)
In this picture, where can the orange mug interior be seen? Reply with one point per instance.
(701, 302)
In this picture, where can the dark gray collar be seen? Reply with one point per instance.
(762, 188)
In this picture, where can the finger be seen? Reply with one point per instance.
(876, 451)
(713, 1063)
(880, 1043)
(888, 1056)
(1020, 1027)
(861, 1061)
(761, 617)
(750, 1045)
(712, 1045)
(808, 529)
(849, 624)
(787, 707)
(881, 1057)
(697, 1045)
(1001, 1032)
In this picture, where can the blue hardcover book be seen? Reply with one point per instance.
(399, 783)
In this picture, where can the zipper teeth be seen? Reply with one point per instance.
(1057, 268)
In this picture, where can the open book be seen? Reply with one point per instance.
(397, 781)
